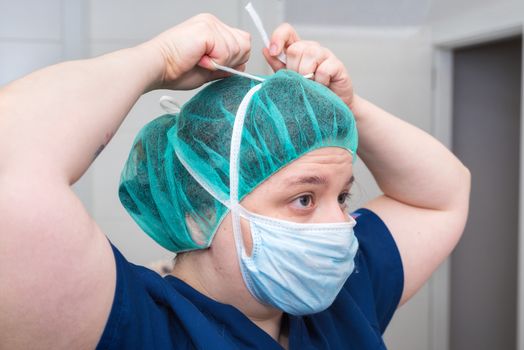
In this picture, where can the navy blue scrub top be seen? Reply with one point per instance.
(151, 312)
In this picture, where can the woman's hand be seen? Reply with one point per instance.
(307, 57)
(188, 48)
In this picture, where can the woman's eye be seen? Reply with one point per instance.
(304, 201)
(343, 198)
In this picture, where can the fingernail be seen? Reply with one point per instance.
(273, 50)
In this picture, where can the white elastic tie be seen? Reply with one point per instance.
(236, 138)
(260, 27)
(247, 75)
(309, 75)
(208, 188)
(169, 104)
(201, 181)
(237, 72)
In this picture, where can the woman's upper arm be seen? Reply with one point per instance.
(424, 237)
(56, 266)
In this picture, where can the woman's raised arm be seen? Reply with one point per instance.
(52, 124)
(59, 118)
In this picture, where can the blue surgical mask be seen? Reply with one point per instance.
(296, 267)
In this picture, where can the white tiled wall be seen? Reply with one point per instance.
(19, 57)
(137, 19)
(30, 36)
(31, 20)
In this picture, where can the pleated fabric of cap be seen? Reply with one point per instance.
(175, 183)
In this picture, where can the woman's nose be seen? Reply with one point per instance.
(331, 212)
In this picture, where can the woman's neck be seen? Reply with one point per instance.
(192, 272)
(273, 327)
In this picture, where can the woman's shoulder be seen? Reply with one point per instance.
(377, 282)
(163, 312)
(142, 308)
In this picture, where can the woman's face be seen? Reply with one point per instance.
(313, 189)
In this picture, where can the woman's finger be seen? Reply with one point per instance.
(333, 74)
(295, 53)
(282, 38)
(228, 43)
(323, 73)
(230, 48)
(206, 62)
(217, 48)
(312, 57)
(244, 42)
(334, 68)
(239, 45)
(275, 63)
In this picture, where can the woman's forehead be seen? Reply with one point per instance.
(316, 167)
(326, 155)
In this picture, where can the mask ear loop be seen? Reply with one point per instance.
(236, 138)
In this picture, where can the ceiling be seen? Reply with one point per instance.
(376, 13)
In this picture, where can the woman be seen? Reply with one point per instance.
(84, 294)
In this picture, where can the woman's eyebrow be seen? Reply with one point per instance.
(313, 180)
(310, 180)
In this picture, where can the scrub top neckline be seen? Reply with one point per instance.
(233, 316)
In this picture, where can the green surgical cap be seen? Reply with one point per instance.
(288, 117)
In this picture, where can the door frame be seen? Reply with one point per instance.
(441, 128)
